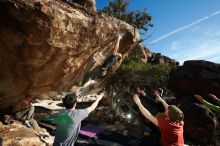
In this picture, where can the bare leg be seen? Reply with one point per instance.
(30, 113)
(22, 115)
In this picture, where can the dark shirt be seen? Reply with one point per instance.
(110, 61)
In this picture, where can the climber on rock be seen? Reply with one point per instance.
(24, 112)
(99, 72)
(102, 70)
(111, 60)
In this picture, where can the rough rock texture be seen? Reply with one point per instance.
(19, 135)
(150, 57)
(200, 122)
(51, 50)
(195, 77)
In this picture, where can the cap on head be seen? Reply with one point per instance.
(69, 101)
(174, 113)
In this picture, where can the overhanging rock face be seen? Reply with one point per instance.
(52, 51)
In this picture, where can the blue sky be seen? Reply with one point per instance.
(183, 29)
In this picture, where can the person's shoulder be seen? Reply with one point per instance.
(67, 112)
(84, 111)
(163, 121)
(75, 111)
(80, 110)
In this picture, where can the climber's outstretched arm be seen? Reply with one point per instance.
(145, 111)
(115, 51)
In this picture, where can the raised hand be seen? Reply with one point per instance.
(198, 97)
(157, 94)
(139, 91)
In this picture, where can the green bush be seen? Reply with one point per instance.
(133, 72)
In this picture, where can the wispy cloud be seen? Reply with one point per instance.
(184, 27)
(208, 50)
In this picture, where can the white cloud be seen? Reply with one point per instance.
(203, 44)
(208, 50)
(184, 27)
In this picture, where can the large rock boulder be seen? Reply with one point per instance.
(151, 57)
(195, 77)
(200, 123)
(50, 46)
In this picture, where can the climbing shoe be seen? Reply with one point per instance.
(27, 123)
